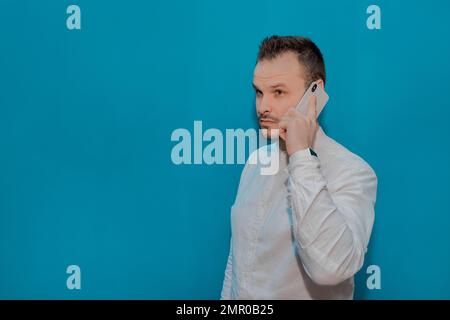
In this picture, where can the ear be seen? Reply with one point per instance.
(321, 83)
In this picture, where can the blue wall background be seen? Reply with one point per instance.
(86, 117)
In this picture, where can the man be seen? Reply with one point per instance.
(301, 233)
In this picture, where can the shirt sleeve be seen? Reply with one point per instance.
(226, 288)
(331, 229)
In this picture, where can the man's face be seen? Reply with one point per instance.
(279, 84)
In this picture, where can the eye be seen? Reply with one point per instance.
(258, 93)
(278, 92)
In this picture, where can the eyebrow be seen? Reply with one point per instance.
(255, 87)
(273, 86)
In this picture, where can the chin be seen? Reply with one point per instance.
(270, 133)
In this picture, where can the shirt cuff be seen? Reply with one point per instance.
(302, 163)
(302, 155)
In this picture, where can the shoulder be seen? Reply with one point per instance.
(341, 162)
(253, 163)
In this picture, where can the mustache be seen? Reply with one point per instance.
(266, 117)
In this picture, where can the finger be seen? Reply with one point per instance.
(282, 134)
(287, 115)
(312, 111)
(291, 114)
(294, 113)
(282, 124)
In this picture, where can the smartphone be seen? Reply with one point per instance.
(321, 99)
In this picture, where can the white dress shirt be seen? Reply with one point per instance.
(303, 232)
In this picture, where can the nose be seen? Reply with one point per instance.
(264, 107)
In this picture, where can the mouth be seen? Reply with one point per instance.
(266, 121)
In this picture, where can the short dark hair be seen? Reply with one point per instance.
(308, 53)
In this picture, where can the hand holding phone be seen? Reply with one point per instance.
(299, 133)
(321, 99)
